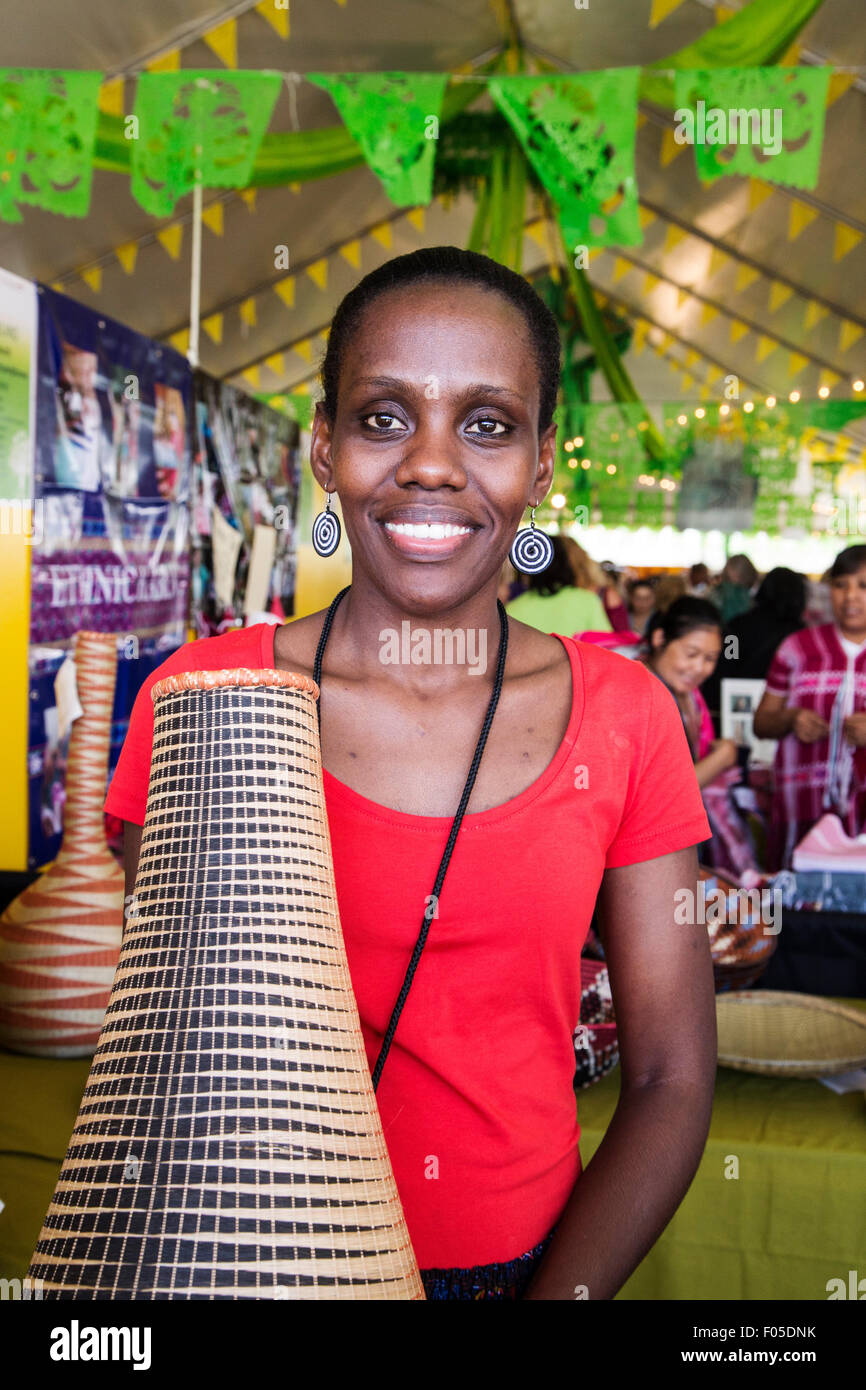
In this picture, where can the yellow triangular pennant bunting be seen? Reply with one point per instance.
(713, 374)
(650, 283)
(839, 84)
(111, 97)
(382, 234)
(718, 261)
(829, 378)
(252, 376)
(180, 340)
(286, 290)
(249, 197)
(796, 363)
(169, 62)
(799, 216)
(247, 311)
(779, 295)
(683, 297)
(766, 345)
(692, 357)
(621, 267)
(646, 216)
(724, 13)
(318, 272)
(844, 240)
(638, 340)
(212, 218)
(746, 276)
(304, 349)
(223, 41)
(351, 252)
(738, 330)
(418, 218)
(708, 313)
(535, 231)
(848, 334)
(758, 193)
(127, 254)
(815, 312)
(673, 236)
(661, 9)
(213, 327)
(278, 19)
(670, 148)
(171, 238)
(276, 363)
(92, 277)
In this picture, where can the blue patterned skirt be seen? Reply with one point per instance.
(508, 1280)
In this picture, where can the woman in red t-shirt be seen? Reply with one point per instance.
(436, 431)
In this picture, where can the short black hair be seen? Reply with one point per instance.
(447, 264)
(784, 593)
(848, 562)
(685, 615)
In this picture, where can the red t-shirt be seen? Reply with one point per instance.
(476, 1096)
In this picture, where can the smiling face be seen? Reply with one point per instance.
(686, 661)
(435, 451)
(848, 597)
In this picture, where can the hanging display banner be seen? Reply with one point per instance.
(111, 482)
(246, 483)
(112, 468)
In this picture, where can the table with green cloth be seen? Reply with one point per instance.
(793, 1218)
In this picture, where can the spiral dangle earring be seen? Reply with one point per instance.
(326, 531)
(532, 550)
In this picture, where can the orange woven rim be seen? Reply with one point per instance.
(241, 675)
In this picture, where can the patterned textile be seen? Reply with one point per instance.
(508, 1280)
(809, 670)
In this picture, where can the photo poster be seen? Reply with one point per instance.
(247, 471)
(112, 473)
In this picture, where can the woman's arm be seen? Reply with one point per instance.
(774, 719)
(131, 849)
(721, 756)
(662, 985)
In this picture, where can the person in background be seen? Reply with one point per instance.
(684, 643)
(588, 574)
(699, 581)
(815, 705)
(554, 603)
(669, 588)
(734, 594)
(641, 600)
(611, 597)
(776, 613)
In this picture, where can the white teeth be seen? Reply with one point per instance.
(435, 530)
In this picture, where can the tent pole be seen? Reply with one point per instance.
(195, 272)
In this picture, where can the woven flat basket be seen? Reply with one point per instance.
(228, 1144)
(799, 1035)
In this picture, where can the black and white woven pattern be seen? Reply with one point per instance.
(228, 1143)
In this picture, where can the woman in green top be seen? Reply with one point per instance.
(553, 603)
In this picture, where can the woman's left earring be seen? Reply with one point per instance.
(326, 531)
(532, 550)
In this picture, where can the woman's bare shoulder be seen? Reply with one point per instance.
(295, 643)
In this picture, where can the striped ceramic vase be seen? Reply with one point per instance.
(229, 1144)
(60, 939)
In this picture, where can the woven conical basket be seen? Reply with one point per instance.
(60, 938)
(228, 1143)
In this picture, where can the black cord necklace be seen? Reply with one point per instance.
(455, 824)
